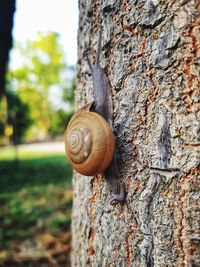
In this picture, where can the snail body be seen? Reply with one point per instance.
(89, 143)
(89, 138)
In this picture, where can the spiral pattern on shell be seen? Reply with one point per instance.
(89, 143)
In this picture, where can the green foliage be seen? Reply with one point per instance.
(43, 68)
(59, 122)
(43, 63)
(68, 94)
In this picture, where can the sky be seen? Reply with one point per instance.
(34, 16)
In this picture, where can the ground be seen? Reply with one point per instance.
(35, 206)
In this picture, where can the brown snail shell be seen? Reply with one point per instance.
(89, 143)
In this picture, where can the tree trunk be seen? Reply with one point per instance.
(150, 50)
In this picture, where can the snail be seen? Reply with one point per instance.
(89, 138)
(89, 142)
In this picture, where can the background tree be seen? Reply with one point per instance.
(7, 9)
(18, 115)
(151, 52)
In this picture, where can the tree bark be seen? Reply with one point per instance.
(151, 53)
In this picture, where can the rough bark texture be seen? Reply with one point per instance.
(151, 53)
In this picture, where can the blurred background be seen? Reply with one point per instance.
(36, 103)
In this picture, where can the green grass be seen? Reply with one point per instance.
(35, 196)
(34, 172)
